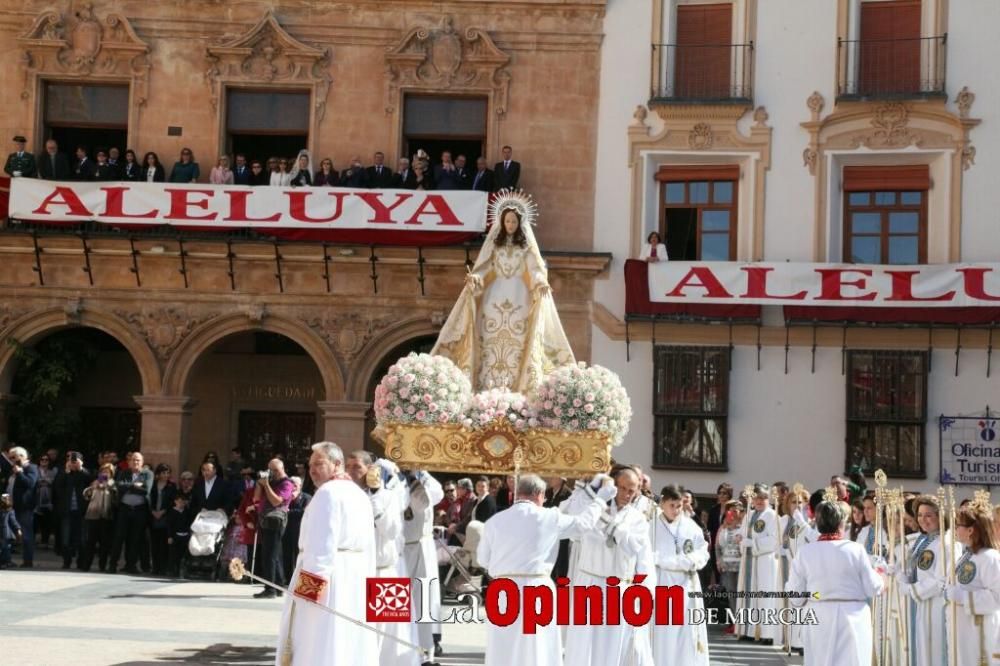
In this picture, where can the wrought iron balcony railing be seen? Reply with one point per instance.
(702, 73)
(887, 68)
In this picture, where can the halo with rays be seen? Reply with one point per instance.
(519, 200)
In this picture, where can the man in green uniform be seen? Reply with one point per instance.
(20, 163)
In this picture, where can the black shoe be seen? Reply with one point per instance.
(132, 571)
(27, 565)
(65, 565)
(437, 650)
(279, 594)
(746, 639)
(799, 651)
(265, 594)
(767, 642)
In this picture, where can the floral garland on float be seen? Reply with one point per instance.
(502, 396)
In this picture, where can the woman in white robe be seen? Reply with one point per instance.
(336, 556)
(926, 577)
(795, 533)
(977, 589)
(680, 551)
(840, 572)
(759, 571)
(504, 330)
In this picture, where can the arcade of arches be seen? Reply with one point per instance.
(181, 372)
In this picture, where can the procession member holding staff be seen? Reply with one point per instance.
(977, 588)
(618, 548)
(336, 556)
(419, 552)
(925, 581)
(759, 571)
(840, 576)
(521, 544)
(680, 551)
(795, 533)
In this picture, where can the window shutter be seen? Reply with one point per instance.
(679, 173)
(702, 70)
(915, 178)
(890, 47)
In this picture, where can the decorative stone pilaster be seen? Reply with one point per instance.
(166, 423)
(344, 423)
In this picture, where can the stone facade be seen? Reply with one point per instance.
(535, 61)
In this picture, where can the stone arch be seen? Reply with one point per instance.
(37, 325)
(178, 370)
(374, 353)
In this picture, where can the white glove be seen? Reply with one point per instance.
(607, 491)
(598, 481)
(955, 594)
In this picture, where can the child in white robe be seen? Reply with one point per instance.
(759, 571)
(795, 533)
(976, 591)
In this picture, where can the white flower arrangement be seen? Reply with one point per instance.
(421, 388)
(499, 403)
(578, 397)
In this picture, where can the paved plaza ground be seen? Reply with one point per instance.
(50, 617)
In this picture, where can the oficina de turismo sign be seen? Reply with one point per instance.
(970, 450)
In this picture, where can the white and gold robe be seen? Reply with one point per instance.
(680, 551)
(522, 544)
(841, 573)
(978, 611)
(928, 639)
(419, 552)
(336, 557)
(388, 504)
(795, 533)
(760, 571)
(630, 553)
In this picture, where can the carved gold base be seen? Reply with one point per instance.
(496, 449)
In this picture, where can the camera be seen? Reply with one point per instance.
(263, 474)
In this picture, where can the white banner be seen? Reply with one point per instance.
(970, 450)
(221, 206)
(853, 285)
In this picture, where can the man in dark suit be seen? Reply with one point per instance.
(404, 178)
(22, 479)
(379, 175)
(102, 169)
(241, 172)
(481, 507)
(211, 492)
(463, 172)
(482, 180)
(53, 165)
(507, 172)
(67, 493)
(83, 169)
(114, 161)
(20, 163)
(354, 175)
(446, 174)
(133, 485)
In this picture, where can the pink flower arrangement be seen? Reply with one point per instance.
(496, 404)
(578, 397)
(421, 388)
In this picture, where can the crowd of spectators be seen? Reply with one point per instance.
(418, 172)
(128, 515)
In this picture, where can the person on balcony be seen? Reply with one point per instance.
(653, 250)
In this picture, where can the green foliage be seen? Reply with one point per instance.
(46, 375)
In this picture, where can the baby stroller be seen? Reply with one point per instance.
(208, 534)
(464, 575)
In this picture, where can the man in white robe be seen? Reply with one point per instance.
(619, 548)
(420, 554)
(336, 557)
(680, 551)
(840, 572)
(760, 571)
(389, 497)
(521, 544)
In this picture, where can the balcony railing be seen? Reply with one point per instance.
(702, 73)
(887, 68)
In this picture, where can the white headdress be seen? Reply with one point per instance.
(295, 167)
(526, 208)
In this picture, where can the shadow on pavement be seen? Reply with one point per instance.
(220, 653)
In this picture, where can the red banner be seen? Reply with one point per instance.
(323, 213)
(842, 285)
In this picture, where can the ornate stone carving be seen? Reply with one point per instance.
(72, 309)
(809, 158)
(815, 104)
(255, 312)
(349, 332)
(700, 137)
(890, 124)
(268, 54)
(164, 329)
(639, 116)
(10, 313)
(760, 117)
(964, 100)
(80, 45)
(968, 156)
(443, 58)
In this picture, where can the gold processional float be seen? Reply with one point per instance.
(501, 392)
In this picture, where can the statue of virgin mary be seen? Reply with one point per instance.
(504, 330)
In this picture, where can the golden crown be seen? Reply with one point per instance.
(517, 200)
(981, 502)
